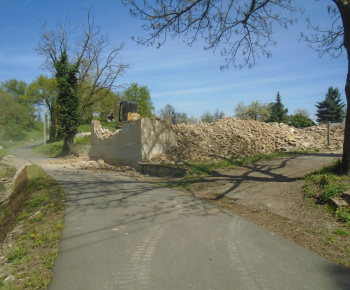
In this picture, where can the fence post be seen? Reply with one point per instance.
(329, 133)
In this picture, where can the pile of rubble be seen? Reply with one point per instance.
(83, 162)
(233, 137)
(102, 132)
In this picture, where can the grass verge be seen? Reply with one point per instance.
(37, 222)
(35, 133)
(319, 188)
(54, 149)
(327, 183)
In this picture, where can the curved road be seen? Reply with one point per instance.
(123, 234)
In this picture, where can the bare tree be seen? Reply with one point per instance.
(98, 58)
(243, 30)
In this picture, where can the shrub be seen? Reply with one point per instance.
(343, 214)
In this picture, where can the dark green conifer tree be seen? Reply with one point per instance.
(278, 112)
(332, 108)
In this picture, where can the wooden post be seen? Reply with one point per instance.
(44, 124)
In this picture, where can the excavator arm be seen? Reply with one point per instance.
(110, 117)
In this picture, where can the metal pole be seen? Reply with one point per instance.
(44, 125)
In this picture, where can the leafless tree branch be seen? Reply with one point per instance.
(241, 30)
(98, 59)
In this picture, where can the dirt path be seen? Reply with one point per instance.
(270, 185)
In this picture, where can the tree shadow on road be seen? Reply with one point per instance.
(282, 170)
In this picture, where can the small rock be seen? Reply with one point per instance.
(17, 233)
(9, 279)
(336, 202)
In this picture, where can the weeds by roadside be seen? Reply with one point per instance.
(325, 184)
(31, 252)
(319, 188)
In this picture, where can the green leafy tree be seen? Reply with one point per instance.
(210, 118)
(14, 117)
(166, 112)
(278, 112)
(44, 90)
(243, 29)
(16, 88)
(181, 118)
(104, 106)
(300, 119)
(254, 111)
(192, 120)
(67, 100)
(141, 95)
(332, 108)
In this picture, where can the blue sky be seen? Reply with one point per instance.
(188, 78)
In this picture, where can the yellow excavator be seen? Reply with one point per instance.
(127, 112)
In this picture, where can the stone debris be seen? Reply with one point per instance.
(82, 134)
(83, 162)
(102, 132)
(230, 137)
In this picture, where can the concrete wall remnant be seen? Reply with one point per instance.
(18, 182)
(133, 143)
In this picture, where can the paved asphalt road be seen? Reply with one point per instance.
(124, 234)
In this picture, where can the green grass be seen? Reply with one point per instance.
(112, 126)
(17, 255)
(343, 214)
(84, 128)
(341, 232)
(54, 149)
(41, 220)
(51, 149)
(7, 172)
(35, 133)
(326, 183)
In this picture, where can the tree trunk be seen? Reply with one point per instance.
(344, 10)
(346, 147)
(52, 132)
(68, 144)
